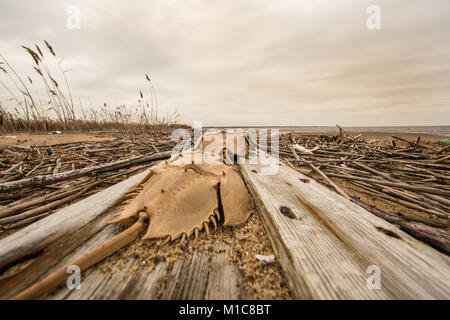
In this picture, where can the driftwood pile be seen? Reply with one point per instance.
(36, 181)
(411, 174)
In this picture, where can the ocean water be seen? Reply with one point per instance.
(431, 130)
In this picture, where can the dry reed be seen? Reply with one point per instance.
(29, 112)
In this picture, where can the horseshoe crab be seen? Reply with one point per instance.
(173, 201)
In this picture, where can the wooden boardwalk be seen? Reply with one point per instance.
(324, 243)
(193, 276)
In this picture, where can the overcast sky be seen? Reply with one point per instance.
(249, 62)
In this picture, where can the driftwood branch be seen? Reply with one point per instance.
(323, 175)
(410, 174)
(405, 186)
(439, 239)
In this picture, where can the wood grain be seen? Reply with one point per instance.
(326, 243)
(37, 236)
(192, 277)
(195, 276)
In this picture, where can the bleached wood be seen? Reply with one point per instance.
(124, 285)
(144, 285)
(53, 178)
(201, 276)
(328, 244)
(195, 276)
(54, 255)
(188, 278)
(225, 279)
(98, 285)
(40, 234)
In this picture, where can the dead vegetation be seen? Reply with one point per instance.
(409, 177)
(261, 280)
(175, 200)
(38, 180)
(43, 101)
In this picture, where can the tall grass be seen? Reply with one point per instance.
(51, 106)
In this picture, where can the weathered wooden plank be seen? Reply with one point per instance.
(196, 276)
(224, 281)
(127, 284)
(39, 235)
(144, 285)
(51, 256)
(188, 278)
(200, 276)
(314, 260)
(325, 243)
(124, 285)
(98, 285)
(106, 233)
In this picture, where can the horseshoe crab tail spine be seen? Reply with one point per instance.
(86, 261)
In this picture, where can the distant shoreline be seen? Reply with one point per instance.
(429, 130)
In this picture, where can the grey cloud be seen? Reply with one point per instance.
(262, 62)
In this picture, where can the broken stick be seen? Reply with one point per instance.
(338, 190)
